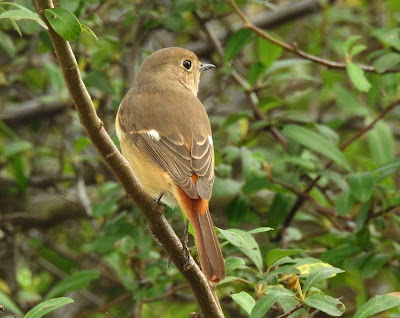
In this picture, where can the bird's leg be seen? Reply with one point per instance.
(184, 240)
(158, 201)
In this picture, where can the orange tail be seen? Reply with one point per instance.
(211, 260)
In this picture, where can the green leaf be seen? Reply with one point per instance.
(64, 23)
(19, 171)
(245, 301)
(260, 230)
(174, 21)
(246, 244)
(279, 208)
(268, 52)
(236, 117)
(328, 133)
(226, 187)
(381, 143)
(48, 306)
(238, 210)
(233, 263)
(74, 282)
(17, 147)
(251, 249)
(15, 5)
(373, 265)
(350, 41)
(377, 304)
(71, 5)
(99, 80)
(386, 170)
(7, 44)
(16, 27)
(386, 62)
(232, 237)
(256, 70)
(272, 295)
(184, 5)
(255, 184)
(54, 77)
(9, 304)
(326, 304)
(23, 14)
(388, 36)
(344, 203)
(88, 31)
(357, 76)
(105, 207)
(349, 102)
(315, 277)
(236, 42)
(81, 143)
(357, 49)
(276, 254)
(268, 102)
(316, 142)
(361, 186)
(287, 63)
(340, 253)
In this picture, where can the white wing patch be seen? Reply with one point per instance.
(154, 134)
(210, 140)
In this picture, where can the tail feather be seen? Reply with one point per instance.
(211, 259)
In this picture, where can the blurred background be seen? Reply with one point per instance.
(291, 153)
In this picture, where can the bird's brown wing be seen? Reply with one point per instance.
(202, 164)
(173, 155)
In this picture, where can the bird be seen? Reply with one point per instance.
(165, 134)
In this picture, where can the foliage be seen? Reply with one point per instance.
(307, 159)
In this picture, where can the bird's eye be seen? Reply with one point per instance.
(187, 64)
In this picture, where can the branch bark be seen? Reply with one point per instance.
(294, 49)
(265, 20)
(25, 112)
(94, 127)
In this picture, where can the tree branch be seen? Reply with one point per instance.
(25, 112)
(268, 19)
(159, 226)
(294, 49)
(287, 314)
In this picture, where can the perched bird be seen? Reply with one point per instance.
(165, 134)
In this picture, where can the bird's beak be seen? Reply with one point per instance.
(205, 66)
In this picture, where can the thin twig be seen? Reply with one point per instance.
(287, 314)
(294, 49)
(370, 125)
(390, 209)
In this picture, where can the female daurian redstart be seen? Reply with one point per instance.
(165, 134)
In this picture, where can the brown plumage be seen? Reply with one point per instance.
(165, 135)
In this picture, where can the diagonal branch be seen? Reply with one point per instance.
(294, 49)
(266, 20)
(94, 127)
